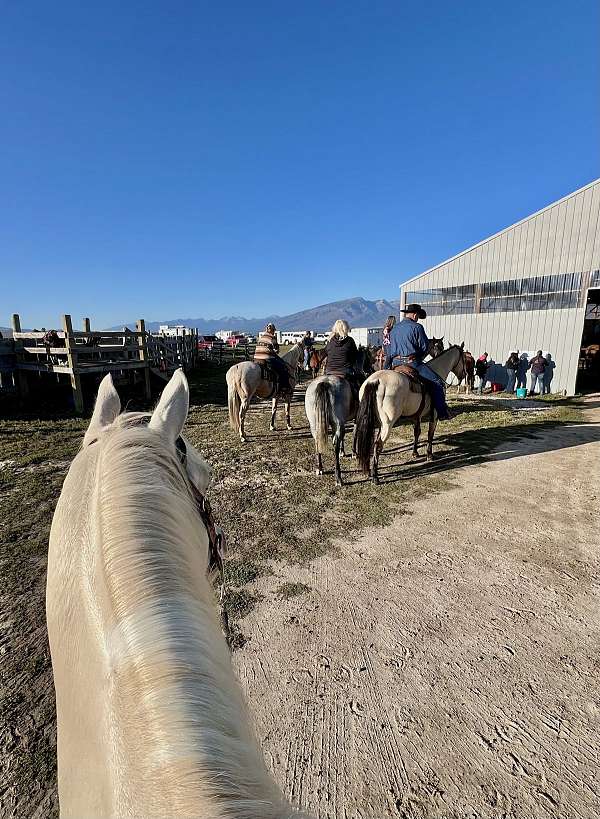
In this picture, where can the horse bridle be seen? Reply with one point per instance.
(216, 537)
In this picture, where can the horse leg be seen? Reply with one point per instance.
(288, 419)
(319, 458)
(338, 442)
(273, 411)
(430, 434)
(377, 453)
(244, 404)
(381, 439)
(415, 452)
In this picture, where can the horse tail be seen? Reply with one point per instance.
(233, 402)
(367, 422)
(322, 416)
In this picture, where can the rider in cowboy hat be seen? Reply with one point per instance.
(409, 345)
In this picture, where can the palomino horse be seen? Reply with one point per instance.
(330, 402)
(151, 720)
(245, 380)
(386, 396)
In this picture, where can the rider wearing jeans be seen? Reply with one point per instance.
(409, 345)
(308, 342)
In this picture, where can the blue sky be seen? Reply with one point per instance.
(201, 159)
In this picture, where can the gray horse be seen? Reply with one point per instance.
(331, 402)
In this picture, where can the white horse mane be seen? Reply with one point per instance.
(180, 735)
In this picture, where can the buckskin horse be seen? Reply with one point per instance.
(151, 720)
(247, 379)
(331, 402)
(387, 396)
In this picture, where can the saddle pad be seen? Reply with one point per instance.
(415, 381)
(267, 373)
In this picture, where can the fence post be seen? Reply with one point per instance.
(143, 353)
(72, 362)
(22, 383)
(87, 328)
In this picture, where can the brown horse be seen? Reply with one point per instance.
(315, 361)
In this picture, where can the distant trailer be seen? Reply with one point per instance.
(290, 336)
(367, 336)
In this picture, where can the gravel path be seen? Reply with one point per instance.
(447, 665)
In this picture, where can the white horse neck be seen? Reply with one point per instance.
(445, 362)
(292, 356)
(153, 722)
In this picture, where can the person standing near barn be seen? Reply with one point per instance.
(548, 373)
(512, 365)
(522, 370)
(267, 352)
(481, 368)
(538, 368)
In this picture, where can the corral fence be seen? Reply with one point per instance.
(226, 354)
(130, 355)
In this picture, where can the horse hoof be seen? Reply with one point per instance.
(318, 472)
(430, 457)
(415, 455)
(243, 440)
(290, 428)
(272, 428)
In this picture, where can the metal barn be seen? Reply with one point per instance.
(534, 285)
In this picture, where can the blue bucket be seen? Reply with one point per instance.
(521, 392)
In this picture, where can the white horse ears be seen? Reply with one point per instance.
(171, 411)
(106, 408)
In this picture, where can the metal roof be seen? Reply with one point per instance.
(500, 232)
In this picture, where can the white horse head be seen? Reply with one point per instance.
(151, 721)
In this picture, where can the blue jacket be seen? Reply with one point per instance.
(407, 338)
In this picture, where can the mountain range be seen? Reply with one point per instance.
(358, 312)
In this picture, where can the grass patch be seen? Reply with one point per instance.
(239, 572)
(288, 590)
(239, 603)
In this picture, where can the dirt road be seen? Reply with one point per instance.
(448, 665)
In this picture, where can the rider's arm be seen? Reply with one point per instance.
(421, 341)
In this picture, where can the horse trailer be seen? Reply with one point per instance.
(367, 336)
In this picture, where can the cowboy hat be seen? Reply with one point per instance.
(414, 308)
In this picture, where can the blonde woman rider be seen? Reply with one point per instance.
(341, 352)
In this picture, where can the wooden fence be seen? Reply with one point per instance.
(225, 354)
(73, 353)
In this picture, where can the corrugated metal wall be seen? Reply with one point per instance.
(520, 267)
